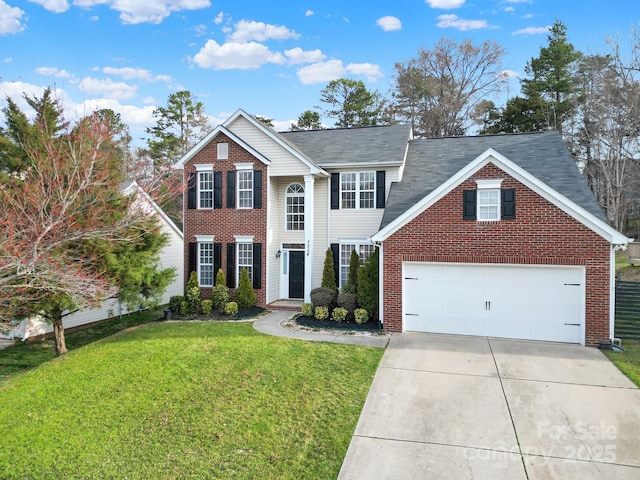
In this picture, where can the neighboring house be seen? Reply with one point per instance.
(495, 235)
(170, 257)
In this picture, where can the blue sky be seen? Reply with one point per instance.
(269, 58)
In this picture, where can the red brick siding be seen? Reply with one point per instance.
(226, 222)
(541, 234)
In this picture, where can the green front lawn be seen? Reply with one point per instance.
(186, 400)
(628, 361)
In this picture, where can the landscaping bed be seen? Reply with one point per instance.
(243, 314)
(327, 324)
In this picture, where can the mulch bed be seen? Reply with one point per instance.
(243, 313)
(311, 322)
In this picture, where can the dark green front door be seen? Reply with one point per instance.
(296, 274)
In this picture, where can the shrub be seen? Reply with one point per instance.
(348, 288)
(175, 302)
(324, 297)
(245, 296)
(207, 307)
(220, 278)
(219, 296)
(321, 313)
(354, 266)
(361, 315)
(348, 301)
(231, 308)
(368, 284)
(328, 272)
(192, 294)
(339, 314)
(184, 308)
(307, 309)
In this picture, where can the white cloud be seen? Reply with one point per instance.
(510, 74)
(369, 70)
(509, 9)
(94, 18)
(232, 55)
(108, 88)
(518, 1)
(532, 31)
(389, 23)
(297, 55)
(445, 4)
(144, 11)
(8, 60)
(453, 21)
(200, 29)
(55, 6)
(10, 19)
(321, 72)
(219, 18)
(247, 30)
(129, 73)
(527, 15)
(53, 72)
(17, 90)
(308, 13)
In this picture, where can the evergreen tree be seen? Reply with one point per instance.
(308, 120)
(351, 103)
(328, 272)
(368, 285)
(245, 296)
(354, 266)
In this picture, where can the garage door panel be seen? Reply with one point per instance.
(529, 302)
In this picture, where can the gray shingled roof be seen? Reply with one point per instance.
(346, 146)
(431, 161)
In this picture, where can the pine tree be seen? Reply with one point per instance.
(245, 296)
(368, 285)
(329, 273)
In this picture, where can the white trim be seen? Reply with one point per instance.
(288, 195)
(205, 238)
(204, 167)
(199, 190)
(612, 294)
(485, 184)
(206, 140)
(492, 156)
(239, 190)
(244, 166)
(199, 263)
(497, 205)
(243, 238)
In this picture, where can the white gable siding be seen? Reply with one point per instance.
(283, 162)
(273, 239)
(356, 223)
(321, 228)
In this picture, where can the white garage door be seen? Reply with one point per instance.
(527, 302)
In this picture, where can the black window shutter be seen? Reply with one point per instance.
(257, 265)
(335, 251)
(193, 258)
(335, 191)
(191, 191)
(508, 203)
(217, 189)
(231, 189)
(257, 189)
(231, 265)
(380, 188)
(217, 258)
(469, 205)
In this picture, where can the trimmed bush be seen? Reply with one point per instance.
(339, 314)
(368, 284)
(220, 278)
(231, 308)
(321, 313)
(348, 301)
(324, 297)
(219, 297)
(328, 272)
(307, 309)
(361, 315)
(192, 294)
(354, 266)
(175, 302)
(184, 308)
(348, 288)
(245, 296)
(207, 307)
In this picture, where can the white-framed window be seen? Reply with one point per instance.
(358, 190)
(245, 188)
(363, 248)
(489, 205)
(222, 151)
(245, 259)
(294, 199)
(205, 189)
(205, 263)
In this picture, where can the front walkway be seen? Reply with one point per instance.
(270, 324)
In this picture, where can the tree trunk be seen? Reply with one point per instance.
(58, 335)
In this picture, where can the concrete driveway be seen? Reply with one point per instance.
(455, 407)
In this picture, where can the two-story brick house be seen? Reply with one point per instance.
(477, 234)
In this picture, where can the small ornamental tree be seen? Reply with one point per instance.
(245, 296)
(220, 293)
(354, 266)
(192, 294)
(329, 273)
(368, 285)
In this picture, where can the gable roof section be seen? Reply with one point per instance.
(540, 161)
(341, 147)
(276, 137)
(210, 136)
